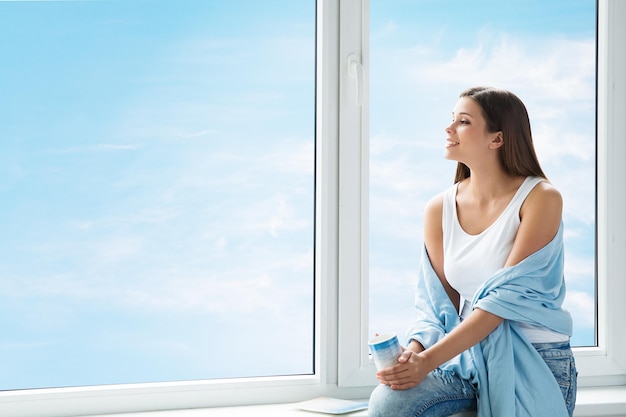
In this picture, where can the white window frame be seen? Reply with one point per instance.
(598, 366)
(606, 364)
(342, 367)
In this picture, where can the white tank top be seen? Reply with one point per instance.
(469, 260)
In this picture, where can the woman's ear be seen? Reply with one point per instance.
(497, 141)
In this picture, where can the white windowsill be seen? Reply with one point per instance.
(592, 401)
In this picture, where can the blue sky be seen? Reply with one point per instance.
(156, 172)
(158, 161)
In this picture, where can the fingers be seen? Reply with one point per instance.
(395, 376)
(405, 356)
(400, 387)
(388, 373)
(400, 367)
(402, 381)
(405, 375)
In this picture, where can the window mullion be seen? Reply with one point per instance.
(353, 365)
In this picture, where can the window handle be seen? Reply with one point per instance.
(355, 70)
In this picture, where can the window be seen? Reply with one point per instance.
(158, 188)
(342, 367)
(422, 56)
(597, 360)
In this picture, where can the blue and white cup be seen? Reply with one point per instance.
(385, 350)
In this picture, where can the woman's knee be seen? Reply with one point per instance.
(437, 394)
(385, 402)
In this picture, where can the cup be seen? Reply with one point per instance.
(385, 350)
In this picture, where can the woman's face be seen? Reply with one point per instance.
(467, 138)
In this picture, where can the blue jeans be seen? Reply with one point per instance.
(443, 394)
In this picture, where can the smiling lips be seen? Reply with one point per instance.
(450, 143)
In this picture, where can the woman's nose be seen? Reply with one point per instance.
(449, 128)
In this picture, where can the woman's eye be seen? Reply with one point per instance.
(464, 122)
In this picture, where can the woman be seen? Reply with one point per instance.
(491, 334)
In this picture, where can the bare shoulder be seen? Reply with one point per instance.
(433, 231)
(543, 199)
(433, 212)
(540, 217)
(434, 207)
(544, 188)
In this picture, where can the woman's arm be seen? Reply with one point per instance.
(413, 367)
(433, 239)
(540, 219)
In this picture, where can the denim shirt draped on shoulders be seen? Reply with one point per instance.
(512, 379)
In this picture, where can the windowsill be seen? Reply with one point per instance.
(592, 401)
(601, 401)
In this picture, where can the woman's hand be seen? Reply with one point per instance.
(411, 369)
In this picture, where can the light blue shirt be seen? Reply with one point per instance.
(512, 379)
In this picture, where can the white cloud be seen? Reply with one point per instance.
(545, 68)
(553, 143)
(391, 299)
(265, 284)
(221, 246)
(197, 134)
(578, 190)
(22, 346)
(295, 157)
(272, 215)
(582, 308)
(117, 249)
(384, 31)
(579, 270)
(98, 147)
(256, 280)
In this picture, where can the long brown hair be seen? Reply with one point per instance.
(504, 111)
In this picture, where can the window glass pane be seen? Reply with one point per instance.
(157, 187)
(423, 54)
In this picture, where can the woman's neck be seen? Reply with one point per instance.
(487, 186)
